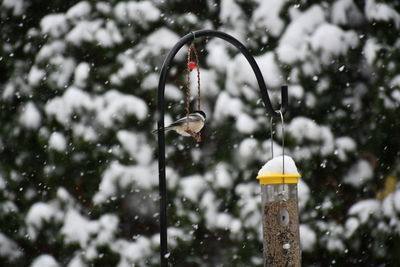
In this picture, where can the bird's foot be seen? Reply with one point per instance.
(196, 136)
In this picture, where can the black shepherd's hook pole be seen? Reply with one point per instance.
(160, 117)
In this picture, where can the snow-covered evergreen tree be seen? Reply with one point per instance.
(78, 168)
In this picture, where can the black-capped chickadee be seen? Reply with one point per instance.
(188, 125)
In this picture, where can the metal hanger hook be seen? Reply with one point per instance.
(283, 140)
(284, 101)
(272, 137)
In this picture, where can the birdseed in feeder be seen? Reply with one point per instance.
(278, 179)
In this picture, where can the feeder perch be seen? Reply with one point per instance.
(280, 217)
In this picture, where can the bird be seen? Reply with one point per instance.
(189, 125)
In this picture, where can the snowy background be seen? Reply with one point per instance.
(78, 166)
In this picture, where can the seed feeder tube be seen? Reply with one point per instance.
(280, 216)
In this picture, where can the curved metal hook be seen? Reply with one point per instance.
(160, 115)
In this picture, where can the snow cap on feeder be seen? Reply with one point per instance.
(281, 169)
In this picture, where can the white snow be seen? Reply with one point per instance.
(303, 128)
(65, 67)
(50, 50)
(239, 73)
(304, 194)
(18, 6)
(79, 10)
(92, 31)
(104, 7)
(293, 43)
(345, 12)
(153, 46)
(308, 238)
(270, 67)
(136, 145)
(359, 173)
(89, 233)
(30, 116)
(62, 107)
(333, 235)
(232, 18)
(381, 12)
(132, 251)
(249, 205)
(57, 141)
(267, 16)
(275, 166)
(396, 200)
(321, 137)
(3, 182)
(175, 235)
(396, 96)
(110, 108)
(128, 69)
(351, 226)
(86, 132)
(332, 41)
(76, 262)
(108, 226)
(78, 229)
(35, 76)
(208, 79)
(364, 209)
(335, 244)
(247, 149)
(192, 187)
(227, 106)
(54, 25)
(344, 145)
(296, 91)
(64, 196)
(370, 50)
(81, 74)
(388, 207)
(223, 177)
(8, 248)
(38, 214)
(118, 176)
(44, 260)
(150, 82)
(174, 93)
(8, 207)
(84, 31)
(217, 55)
(246, 124)
(230, 12)
(115, 106)
(227, 222)
(139, 12)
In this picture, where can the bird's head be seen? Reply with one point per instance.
(201, 113)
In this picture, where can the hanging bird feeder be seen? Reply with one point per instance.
(278, 180)
(193, 63)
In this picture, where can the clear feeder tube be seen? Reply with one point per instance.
(280, 218)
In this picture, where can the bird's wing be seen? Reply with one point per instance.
(184, 120)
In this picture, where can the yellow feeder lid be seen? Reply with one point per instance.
(279, 178)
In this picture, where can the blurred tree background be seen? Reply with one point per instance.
(78, 168)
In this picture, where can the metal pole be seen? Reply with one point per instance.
(160, 116)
